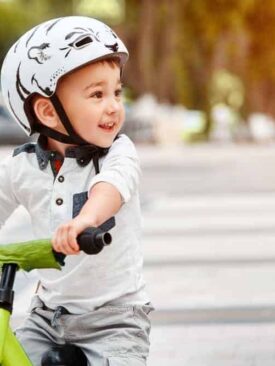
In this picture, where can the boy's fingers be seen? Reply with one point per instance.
(72, 240)
(55, 243)
(66, 243)
(59, 241)
(64, 240)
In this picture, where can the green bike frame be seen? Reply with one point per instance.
(26, 256)
(11, 351)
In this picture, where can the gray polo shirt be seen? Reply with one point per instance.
(53, 196)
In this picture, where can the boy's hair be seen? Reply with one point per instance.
(46, 53)
(112, 61)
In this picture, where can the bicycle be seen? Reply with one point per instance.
(38, 254)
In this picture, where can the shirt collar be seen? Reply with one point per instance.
(83, 154)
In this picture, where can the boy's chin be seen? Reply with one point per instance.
(103, 144)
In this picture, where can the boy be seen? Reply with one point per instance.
(62, 80)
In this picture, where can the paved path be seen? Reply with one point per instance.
(210, 267)
(209, 254)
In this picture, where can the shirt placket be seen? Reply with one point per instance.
(60, 202)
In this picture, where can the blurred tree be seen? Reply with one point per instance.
(145, 44)
(210, 30)
(176, 46)
(17, 16)
(151, 31)
(111, 11)
(14, 18)
(259, 74)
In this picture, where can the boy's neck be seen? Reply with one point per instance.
(54, 145)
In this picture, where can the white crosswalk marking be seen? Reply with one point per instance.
(210, 252)
(210, 260)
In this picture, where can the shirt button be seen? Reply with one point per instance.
(61, 179)
(59, 201)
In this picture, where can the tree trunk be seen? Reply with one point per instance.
(145, 45)
(165, 81)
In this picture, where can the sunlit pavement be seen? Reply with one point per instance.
(209, 246)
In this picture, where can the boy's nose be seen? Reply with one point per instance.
(113, 106)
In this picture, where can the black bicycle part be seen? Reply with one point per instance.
(92, 240)
(108, 225)
(6, 286)
(64, 355)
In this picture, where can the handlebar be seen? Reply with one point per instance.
(91, 241)
(38, 254)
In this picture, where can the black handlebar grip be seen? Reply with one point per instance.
(92, 240)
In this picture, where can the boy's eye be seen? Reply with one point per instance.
(118, 92)
(97, 94)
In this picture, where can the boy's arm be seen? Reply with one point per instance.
(113, 186)
(104, 202)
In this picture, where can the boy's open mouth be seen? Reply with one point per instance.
(107, 126)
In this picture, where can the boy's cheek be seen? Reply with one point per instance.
(122, 123)
(122, 115)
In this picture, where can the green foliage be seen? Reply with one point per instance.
(13, 20)
(227, 89)
(176, 46)
(16, 17)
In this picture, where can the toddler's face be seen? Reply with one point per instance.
(91, 97)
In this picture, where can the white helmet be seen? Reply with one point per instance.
(44, 54)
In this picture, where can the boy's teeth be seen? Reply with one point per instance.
(107, 125)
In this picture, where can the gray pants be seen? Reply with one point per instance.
(109, 336)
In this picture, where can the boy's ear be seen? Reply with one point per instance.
(44, 111)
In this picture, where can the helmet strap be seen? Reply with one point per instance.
(56, 135)
(74, 137)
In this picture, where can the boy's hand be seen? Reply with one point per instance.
(103, 203)
(64, 238)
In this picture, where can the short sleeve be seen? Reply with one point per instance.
(121, 168)
(8, 201)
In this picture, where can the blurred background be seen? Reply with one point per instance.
(207, 64)
(199, 97)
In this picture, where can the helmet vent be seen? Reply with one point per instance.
(82, 42)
